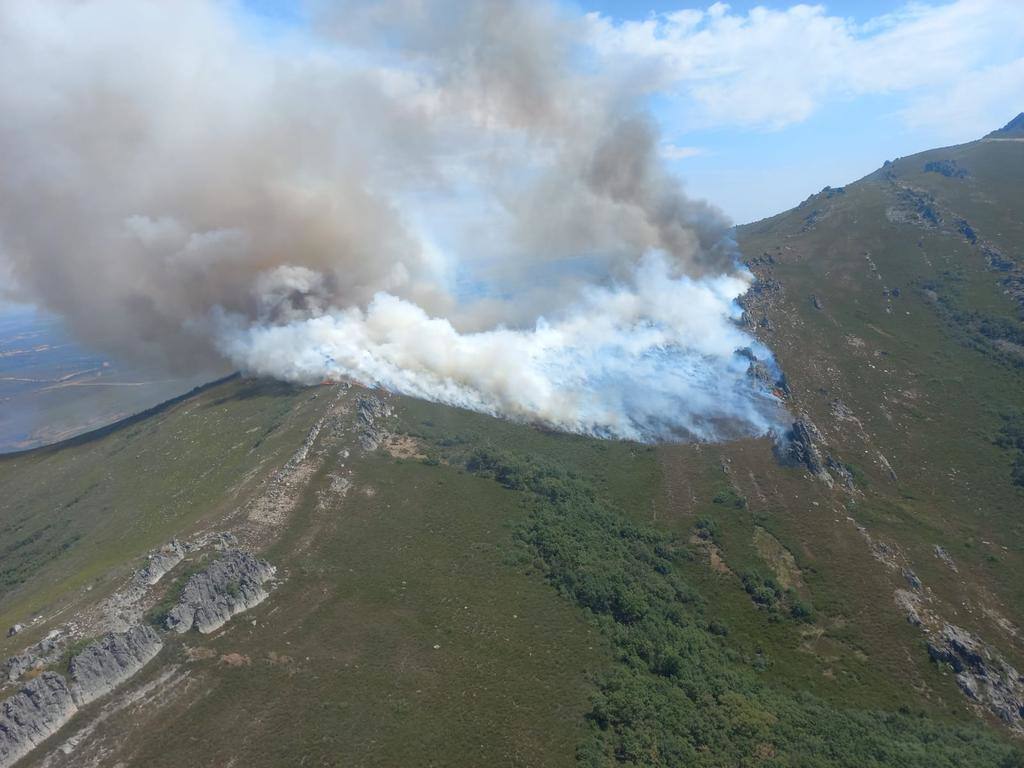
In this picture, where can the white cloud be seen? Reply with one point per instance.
(974, 105)
(772, 68)
(673, 152)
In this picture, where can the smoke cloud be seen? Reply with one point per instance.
(457, 201)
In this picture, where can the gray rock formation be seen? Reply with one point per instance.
(108, 662)
(162, 561)
(946, 558)
(842, 472)
(757, 369)
(15, 630)
(371, 411)
(908, 602)
(802, 449)
(46, 651)
(982, 674)
(912, 580)
(18, 665)
(33, 714)
(230, 585)
(48, 701)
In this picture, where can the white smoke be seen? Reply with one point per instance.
(456, 201)
(650, 361)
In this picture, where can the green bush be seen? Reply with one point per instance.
(1011, 439)
(678, 695)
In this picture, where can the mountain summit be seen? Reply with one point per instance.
(1012, 130)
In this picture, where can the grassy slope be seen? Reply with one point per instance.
(928, 395)
(74, 517)
(343, 668)
(422, 554)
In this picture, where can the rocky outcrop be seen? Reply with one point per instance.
(909, 603)
(48, 701)
(230, 585)
(982, 674)
(371, 411)
(945, 557)
(161, 561)
(36, 656)
(801, 448)
(108, 662)
(842, 471)
(33, 714)
(761, 371)
(914, 206)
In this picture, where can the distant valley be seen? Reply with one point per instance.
(52, 388)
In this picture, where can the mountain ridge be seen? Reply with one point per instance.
(454, 589)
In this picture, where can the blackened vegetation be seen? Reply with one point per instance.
(678, 692)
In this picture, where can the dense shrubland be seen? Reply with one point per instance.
(679, 693)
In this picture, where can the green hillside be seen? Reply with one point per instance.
(456, 590)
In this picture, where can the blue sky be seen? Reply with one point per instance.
(837, 88)
(755, 168)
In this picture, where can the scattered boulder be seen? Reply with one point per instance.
(15, 630)
(33, 714)
(229, 586)
(108, 662)
(982, 674)
(816, 302)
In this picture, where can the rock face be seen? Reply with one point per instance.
(37, 655)
(371, 411)
(36, 712)
(161, 561)
(232, 584)
(108, 662)
(982, 674)
(841, 471)
(802, 449)
(48, 701)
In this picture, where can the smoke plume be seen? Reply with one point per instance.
(457, 201)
